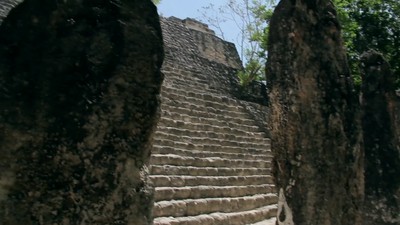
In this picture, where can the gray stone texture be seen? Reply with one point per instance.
(202, 51)
(191, 44)
(381, 112)
(315, 117)
(79, 96)
(211, 161)
(6, 6)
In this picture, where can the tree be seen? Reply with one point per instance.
(156, 2)
(366, 24)
(371, 24)
(251, 18)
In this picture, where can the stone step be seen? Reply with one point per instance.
(223, 99)
(191, 83)
(218, 218)
(197, 76)
(198, 192)
(193, 207)
(158, 149)
(198, 79)
(205, 126)
(177, 160)
(206, 111)
(217, 121)
(271, 221)
(182, 181)
(194, 93)
(214, 101)
(207, 171)
(248, 143)
(264, 149)
(172, 111)
(166, 132)
(174, 72)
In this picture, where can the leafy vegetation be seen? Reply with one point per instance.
(251, 18)
(371, 24)
(156, 2)
(366, 24)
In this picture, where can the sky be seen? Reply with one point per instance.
(190, 8)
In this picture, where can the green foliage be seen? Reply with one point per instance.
(252, 71)
(366, 24)
(370, 24)
(156, 2)
(251, 17)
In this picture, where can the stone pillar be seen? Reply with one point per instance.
(315, 117)
(79, 96)
(381, 139)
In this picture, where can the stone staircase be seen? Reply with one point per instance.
(210, 162)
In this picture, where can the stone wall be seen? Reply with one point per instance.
(315, 117)
(79, 96)
(201, 51)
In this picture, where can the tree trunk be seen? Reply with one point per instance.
(79, 96)
(315, 117)
(382, 142)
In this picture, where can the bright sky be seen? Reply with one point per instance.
(190, 8)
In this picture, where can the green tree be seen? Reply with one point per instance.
(251, 18)
(371, 24)
(366, 24)
(156, 2)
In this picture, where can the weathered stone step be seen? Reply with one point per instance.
(194, 78)
(193, 85)
(158, 149)
(197, 192)
(218, 120)
(203, 113)
(193, 207)
(176, 160)
(198, 85)
(207, 171)
(241, 142)
(205, 126)
(213, 147)
(214, 102)
(218, 218)
(182, 181)
(271, 221)
(207, 111)
(215, 97)
(168, 131)
(189, 83)
(180, 73)
(195, 75)
(194, 93)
